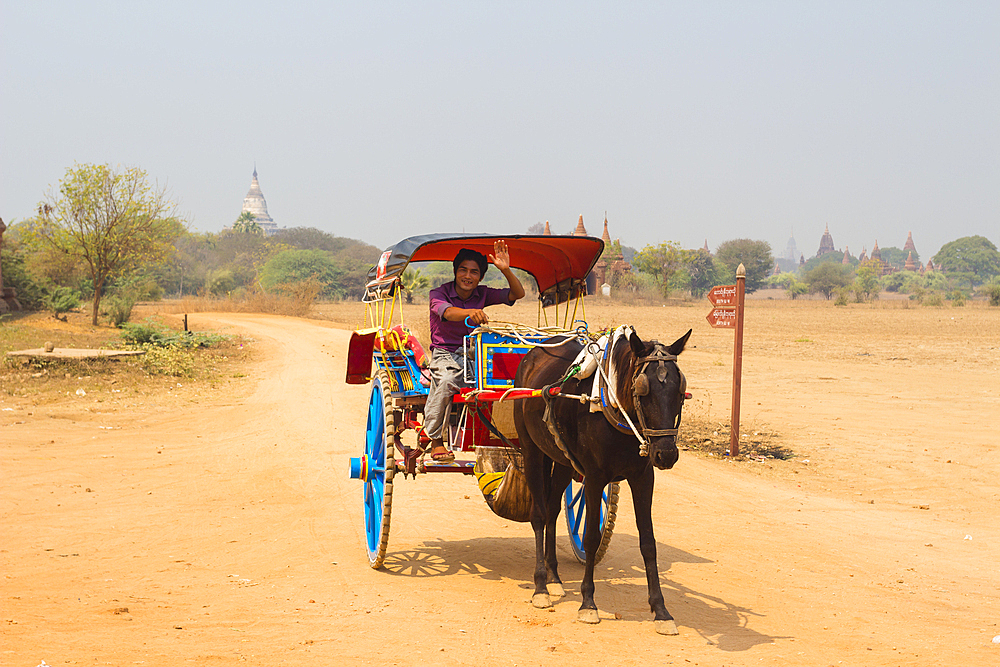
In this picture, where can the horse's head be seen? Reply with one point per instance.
(658, 389)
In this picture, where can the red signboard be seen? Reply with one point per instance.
(723, 295)
(722, 318)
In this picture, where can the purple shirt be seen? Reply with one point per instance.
(448, 335)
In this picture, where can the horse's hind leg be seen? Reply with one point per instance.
(642, 499)
(557, 486)
(593, 490)
(537, 468)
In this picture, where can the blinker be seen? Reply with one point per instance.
(641, 385)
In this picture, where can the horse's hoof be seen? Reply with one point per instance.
(667, 627)
(556, 589)
(588, 616)
(541, 601)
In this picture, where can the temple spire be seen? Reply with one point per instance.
(255, 203)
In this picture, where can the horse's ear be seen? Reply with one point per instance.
(679, 344)
(638, 347)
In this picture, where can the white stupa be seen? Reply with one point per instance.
(255, 203)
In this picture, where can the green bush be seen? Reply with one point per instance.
(957, 298)
(993, 294)
(29, 288)
(841, 299)
(220, 283)
(118, 308)
(148, 335)
(61, 300)
(933, 299)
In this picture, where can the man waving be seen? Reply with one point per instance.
(450, 305)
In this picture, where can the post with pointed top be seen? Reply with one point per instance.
(734, 437)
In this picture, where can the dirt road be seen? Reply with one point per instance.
(213, 529)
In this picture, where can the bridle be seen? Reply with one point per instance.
(640, 387)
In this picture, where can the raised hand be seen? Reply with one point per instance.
(500, 257)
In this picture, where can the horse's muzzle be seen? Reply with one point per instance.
(663, 453)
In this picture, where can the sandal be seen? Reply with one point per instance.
(443, 457)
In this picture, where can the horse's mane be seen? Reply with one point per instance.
(623, 361)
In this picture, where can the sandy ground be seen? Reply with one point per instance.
(201, 528)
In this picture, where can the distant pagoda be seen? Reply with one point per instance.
(791, 250)
(826, 243)
(612, 263)
(255, 204)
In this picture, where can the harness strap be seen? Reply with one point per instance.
(550, 423)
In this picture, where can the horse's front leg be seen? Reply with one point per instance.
(593, 492)
(537, 468)
(642, 500)
(557, 486)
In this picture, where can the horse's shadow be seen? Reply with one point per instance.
(721, 623)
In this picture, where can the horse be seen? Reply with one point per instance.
(560, 436)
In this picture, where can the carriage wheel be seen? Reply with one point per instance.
(576, 511)
(375, 469)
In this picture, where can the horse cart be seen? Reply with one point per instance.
(481, 432)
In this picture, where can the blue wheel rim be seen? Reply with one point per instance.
(576, 513)
(374, 488)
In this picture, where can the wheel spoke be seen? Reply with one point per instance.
(576, 518)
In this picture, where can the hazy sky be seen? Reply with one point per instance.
(684, 121)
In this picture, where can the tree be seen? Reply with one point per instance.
(794, 288)
(247, 224)
(702, 270)
(755, 256)
(295, 266)
(827, 278)
(866, 282)
(662, 261)
(896, 257)
(113, 220)
(828, 258)
(412, 281)
(973, 255)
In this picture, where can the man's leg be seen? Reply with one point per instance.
(446, 379)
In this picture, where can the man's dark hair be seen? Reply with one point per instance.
(477, 257)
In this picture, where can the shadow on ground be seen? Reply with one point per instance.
(620, 581)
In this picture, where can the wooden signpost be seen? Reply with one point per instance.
(728, 314)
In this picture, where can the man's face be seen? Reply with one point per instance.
(467, 277)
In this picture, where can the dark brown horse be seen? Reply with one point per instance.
(650, 390)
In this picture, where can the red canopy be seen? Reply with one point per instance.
(559, 264)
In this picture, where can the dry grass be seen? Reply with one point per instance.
(713, 439)
(291, 304)
(46, 381)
